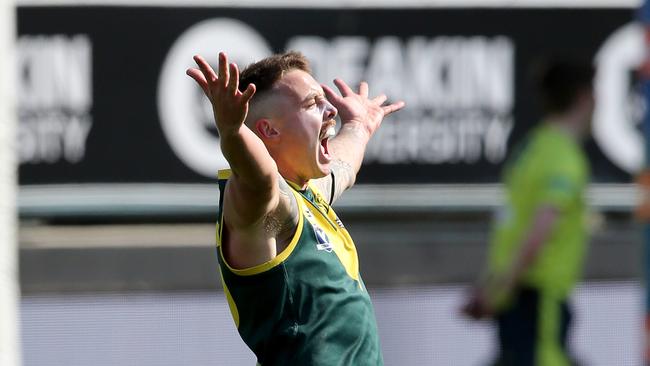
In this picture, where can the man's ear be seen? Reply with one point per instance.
(266, 129)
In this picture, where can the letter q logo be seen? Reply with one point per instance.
(185, 113)
(619, 105)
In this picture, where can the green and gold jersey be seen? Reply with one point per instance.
(308, 305)
(551, 169)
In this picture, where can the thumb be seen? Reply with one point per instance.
(248, 93)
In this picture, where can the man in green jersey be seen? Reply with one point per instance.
(538, 242)
(289, 267)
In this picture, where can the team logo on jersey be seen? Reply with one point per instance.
(323, 242)
(308, 213)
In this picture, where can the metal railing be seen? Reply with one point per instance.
(177, 200)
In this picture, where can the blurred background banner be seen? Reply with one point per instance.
(104, 97)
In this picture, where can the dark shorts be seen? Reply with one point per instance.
(533, 331)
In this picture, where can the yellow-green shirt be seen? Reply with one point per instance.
(551, 169)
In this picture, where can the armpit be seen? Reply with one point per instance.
(285, 218)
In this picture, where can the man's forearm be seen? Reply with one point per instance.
(500, 286)
(537, 236)
(348, 148)
(534, 240)
(249, 159)
(360, 117)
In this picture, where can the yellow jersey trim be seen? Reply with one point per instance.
(260, 268)
(231, 302)
(295, 185)
(224, 174)
(346, 250)
(314, 188)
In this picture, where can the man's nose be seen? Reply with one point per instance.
(330, 111)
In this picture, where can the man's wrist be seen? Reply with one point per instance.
(355, 127)
(226, 132)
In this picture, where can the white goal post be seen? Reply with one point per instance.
(9, 288)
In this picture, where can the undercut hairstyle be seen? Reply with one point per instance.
(560, 82)
(268, 71)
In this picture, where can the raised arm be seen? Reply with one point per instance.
(360, 118)
(253, 188)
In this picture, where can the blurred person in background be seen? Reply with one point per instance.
(539, 240)
(289, 267)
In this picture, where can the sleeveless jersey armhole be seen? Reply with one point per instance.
(281, 257)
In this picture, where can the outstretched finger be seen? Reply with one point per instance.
(234, 76)
(388, 109)
(248, 93)
(205, 68)
(332, 96)
(363, 89)
(380, 99)
(343, 87)
(198, 76)
(223, 68)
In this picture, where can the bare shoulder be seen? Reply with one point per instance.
(259, 242)
(280, 214)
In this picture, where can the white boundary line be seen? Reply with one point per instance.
(344, 3)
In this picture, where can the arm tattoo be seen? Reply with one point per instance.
(333, 185)
(344, 177)
(285, 218)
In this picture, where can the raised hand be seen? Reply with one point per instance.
(229, 105)
(358, 108)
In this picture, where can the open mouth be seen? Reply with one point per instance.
(327, 132)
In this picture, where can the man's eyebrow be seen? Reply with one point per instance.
(312, 95)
